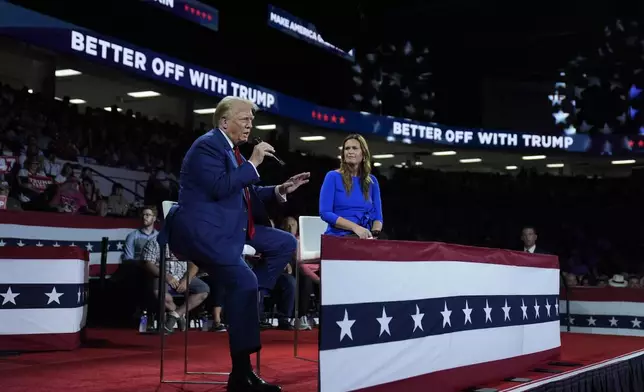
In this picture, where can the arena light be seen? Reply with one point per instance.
(77, 101)
(205, 111)
(30, 91)
(471, 160)
(339, 157)
(511, 167)
(109, 109)
(418, 163)
(555, 165)
(143, 94)
(377, 164)
(383, 156)
(533, 157)
(61, 73)
(312, 138)
(624, 162)
(266, 127)
(443, 153)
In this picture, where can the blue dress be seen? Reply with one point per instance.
(335, 202)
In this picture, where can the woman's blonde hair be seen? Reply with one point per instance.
(364, 169)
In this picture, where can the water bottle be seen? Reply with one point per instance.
(143, 324)
(204, 322)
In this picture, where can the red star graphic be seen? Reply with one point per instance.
(198, 13)
(186, 7)
(326, 117)
(640, 143)
(341, 120)
(630, 143)
(209, 17)
(334, 118)
(192, 10)
(313, 114)
(319, 116)
(204, 15)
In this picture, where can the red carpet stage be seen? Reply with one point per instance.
(122, 360)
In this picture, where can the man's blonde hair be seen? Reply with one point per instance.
(225, 106)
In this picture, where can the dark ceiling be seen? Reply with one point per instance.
(525, 40)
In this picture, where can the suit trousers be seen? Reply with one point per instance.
(241, 285)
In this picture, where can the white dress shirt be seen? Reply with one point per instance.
(530, 249)
(281, 198)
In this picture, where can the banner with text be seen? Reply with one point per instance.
(64, 37)
(296, 27)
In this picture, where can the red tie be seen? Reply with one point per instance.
(251, 224)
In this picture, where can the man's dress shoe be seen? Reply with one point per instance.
(250, 382)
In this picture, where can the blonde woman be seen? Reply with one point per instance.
(350, 196)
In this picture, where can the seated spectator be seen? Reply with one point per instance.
(66, 172)
(92, 195)
(284, 296)
(52, 165)
(69, 198)
(215, 302)
(634, 282)
(117, 204)
(7, 202)
(136, 240)
(308, 277)
(179, 277)
(30, 181)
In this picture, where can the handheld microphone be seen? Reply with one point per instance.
(257, 140)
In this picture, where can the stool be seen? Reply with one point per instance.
(248, 250)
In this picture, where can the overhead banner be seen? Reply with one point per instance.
(64, 37)
(296, 27)
(190, 10)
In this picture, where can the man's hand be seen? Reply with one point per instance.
(182, 286)
(174, 283)
(260, 151)
(293, 183)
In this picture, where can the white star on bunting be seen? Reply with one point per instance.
(54, 296)
(384, 322)
(89, 247)
(613, 322)
(9, 296)
(536, 308)
(547, 306)
(468, 313)
(488, 312)
(418, 319)
(345, 326)
(591, 321)
(557, 307)
(56, 244)
(524, 309)
(506, 311)
(119, 246)
(446, 316)
(79, 296)
(636, 323)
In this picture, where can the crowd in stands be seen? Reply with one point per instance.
(590, 223)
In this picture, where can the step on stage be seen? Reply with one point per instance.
(114, 360)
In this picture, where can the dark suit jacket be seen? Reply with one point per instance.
(210, 220)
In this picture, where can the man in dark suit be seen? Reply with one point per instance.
(219, 205)
(529, 239)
